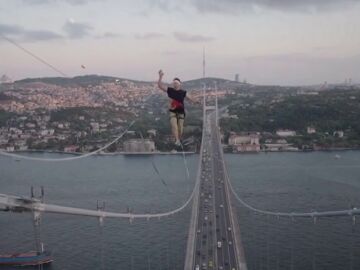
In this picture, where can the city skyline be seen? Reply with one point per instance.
(293, 44)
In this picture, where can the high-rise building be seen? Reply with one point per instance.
(236, 77)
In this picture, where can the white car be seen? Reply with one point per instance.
(197, 267)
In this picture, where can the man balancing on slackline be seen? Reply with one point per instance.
(177, 108)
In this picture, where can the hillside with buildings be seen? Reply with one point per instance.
(81, 114)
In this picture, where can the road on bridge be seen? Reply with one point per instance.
(215, 246)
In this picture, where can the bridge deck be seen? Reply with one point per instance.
(214, 245)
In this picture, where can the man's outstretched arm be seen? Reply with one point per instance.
(160, 83)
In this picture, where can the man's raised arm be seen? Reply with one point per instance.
(192, 100)
(160, 83)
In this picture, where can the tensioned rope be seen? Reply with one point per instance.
(154, 166)
(33, 55)
(4, 153)
(185, 162)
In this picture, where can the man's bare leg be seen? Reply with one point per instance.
(174, 127)
(180, 124)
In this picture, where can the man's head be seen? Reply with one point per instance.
(176, 83)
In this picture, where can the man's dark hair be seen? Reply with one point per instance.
(177, 79)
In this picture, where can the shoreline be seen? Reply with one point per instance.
(298, 151)
(103, 153)
(179, 152)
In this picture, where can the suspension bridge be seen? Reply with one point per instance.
(214, 235)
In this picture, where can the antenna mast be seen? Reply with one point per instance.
(203, 62)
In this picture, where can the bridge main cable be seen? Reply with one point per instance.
(21, 204)
(314, 214)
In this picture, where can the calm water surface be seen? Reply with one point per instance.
(276, 181)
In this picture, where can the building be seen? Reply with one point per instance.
(339, 134)
(10, 148)
(244, 142)
(95, 127)
(46, 132)
(139, 145)
(278, 145)
(152, 132)
(71, 148)
(236, 77)
(285, 133)
(311, 130)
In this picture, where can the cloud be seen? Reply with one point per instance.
(299, 68)
(170, 52)
(23, 34)
(243, 6)
(10, 29)
(186, 37)
(150, 35)
(166, 5)
(232, 6)
(107, 35)
(73, 30)
(77, 30)
(40, 35)
(45, 2)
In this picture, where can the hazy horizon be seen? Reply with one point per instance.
(169, 80)
(266, 42)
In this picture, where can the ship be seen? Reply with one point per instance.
(30, 258)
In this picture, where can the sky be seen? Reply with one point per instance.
(282, 42)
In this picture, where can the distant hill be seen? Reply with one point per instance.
(210, 82)
(78, 80)
(97, 79)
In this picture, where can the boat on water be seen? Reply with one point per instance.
(26, 259)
